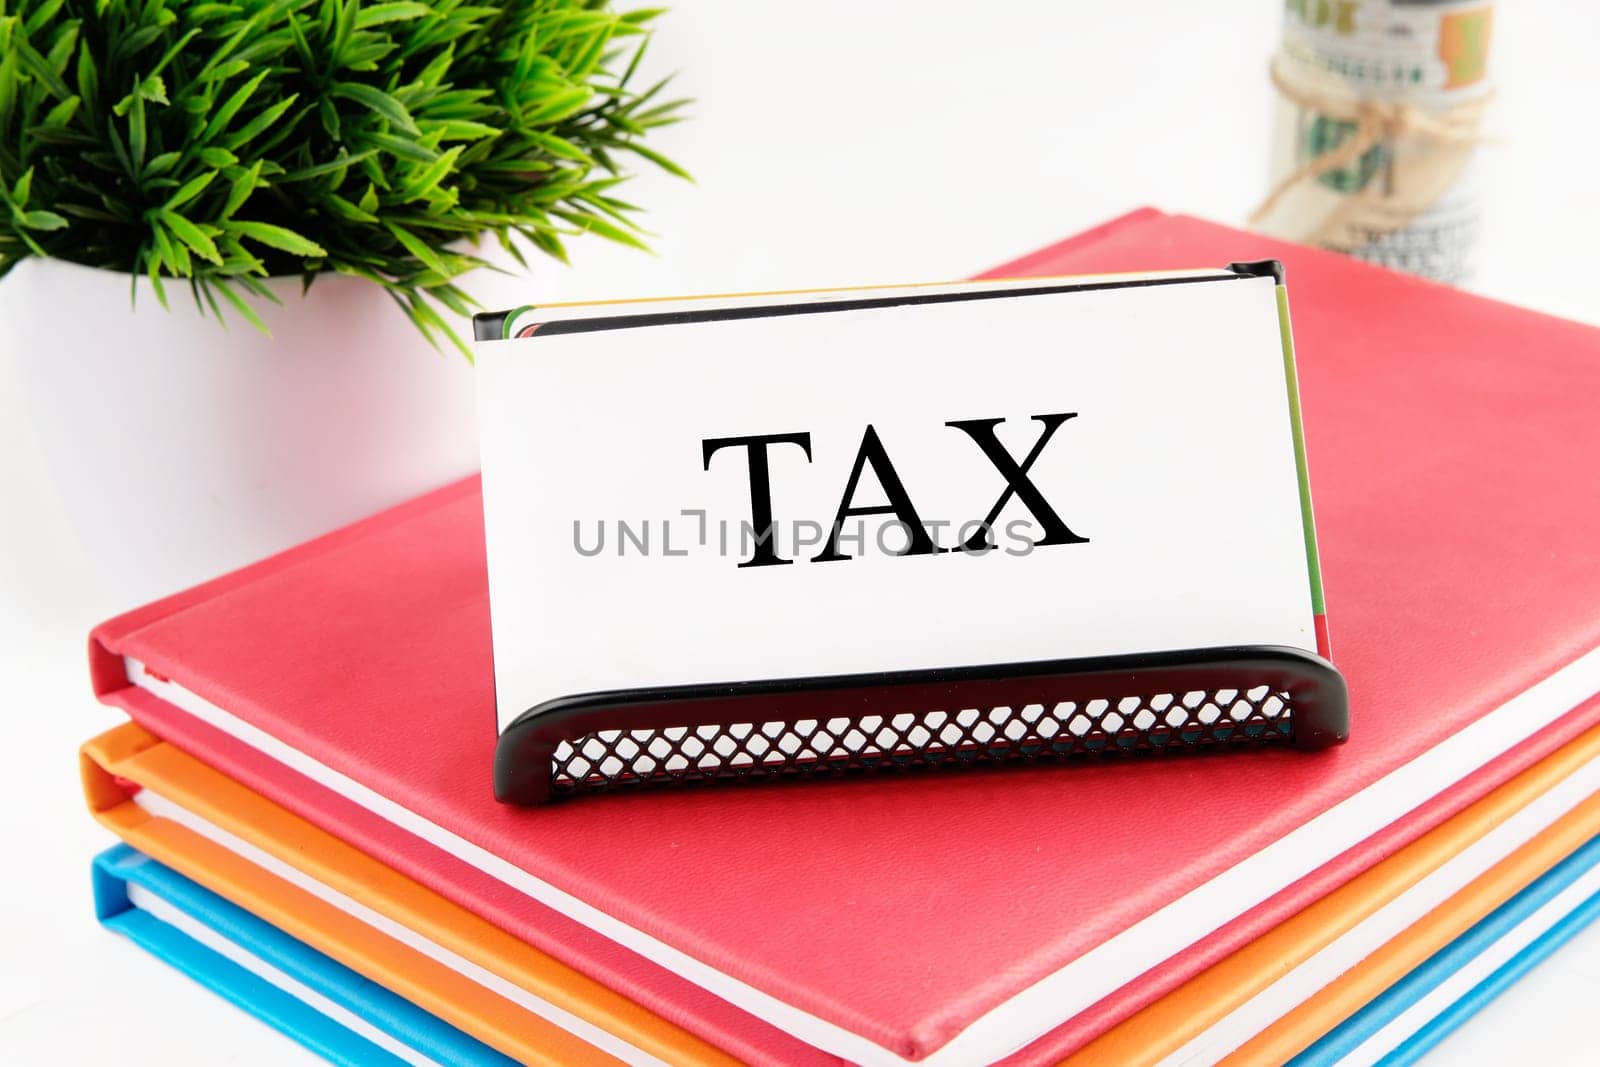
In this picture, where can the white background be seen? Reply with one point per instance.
(833, 143)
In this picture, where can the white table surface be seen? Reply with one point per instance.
(834, 143)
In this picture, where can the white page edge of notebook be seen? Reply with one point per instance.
(1396, 916)
(1225, 1035)
(1036, 1010)
(163, 910)
(1476, 970)
(156, 804)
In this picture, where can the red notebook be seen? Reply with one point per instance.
(962, 918)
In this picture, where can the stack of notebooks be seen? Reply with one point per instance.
(305, 799)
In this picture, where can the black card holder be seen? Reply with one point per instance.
(1057, 710)
(1208, 699)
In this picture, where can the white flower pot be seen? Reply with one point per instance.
(180, 449)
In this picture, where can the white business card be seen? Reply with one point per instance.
(713, 491)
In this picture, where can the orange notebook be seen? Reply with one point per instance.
(361, 913)
(353, 908)
(1230, 1014)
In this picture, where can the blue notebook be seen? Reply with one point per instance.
(320, 1003)
(1424, 1007)
(350, 1020)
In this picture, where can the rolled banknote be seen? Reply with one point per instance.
(1379, 130)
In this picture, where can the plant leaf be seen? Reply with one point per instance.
(240, 305)
(428, 178)
(255, 126)
(189, 190)
(278, 237)
(381, 14)
(161, 164)
(403, 149)
(379, 102)
(230, 107)
(192, 236)
(61, 114)
(153, 89)
(661, 161)
(40, 68)
(40, 220)
(418, 248)
(243, 185)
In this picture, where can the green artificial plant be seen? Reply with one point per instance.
(225, 141)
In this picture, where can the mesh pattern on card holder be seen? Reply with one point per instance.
(1198, 719)
(1208, 699)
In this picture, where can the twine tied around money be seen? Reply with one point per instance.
(1445, 136)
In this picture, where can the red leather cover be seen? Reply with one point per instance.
(1451, 444)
